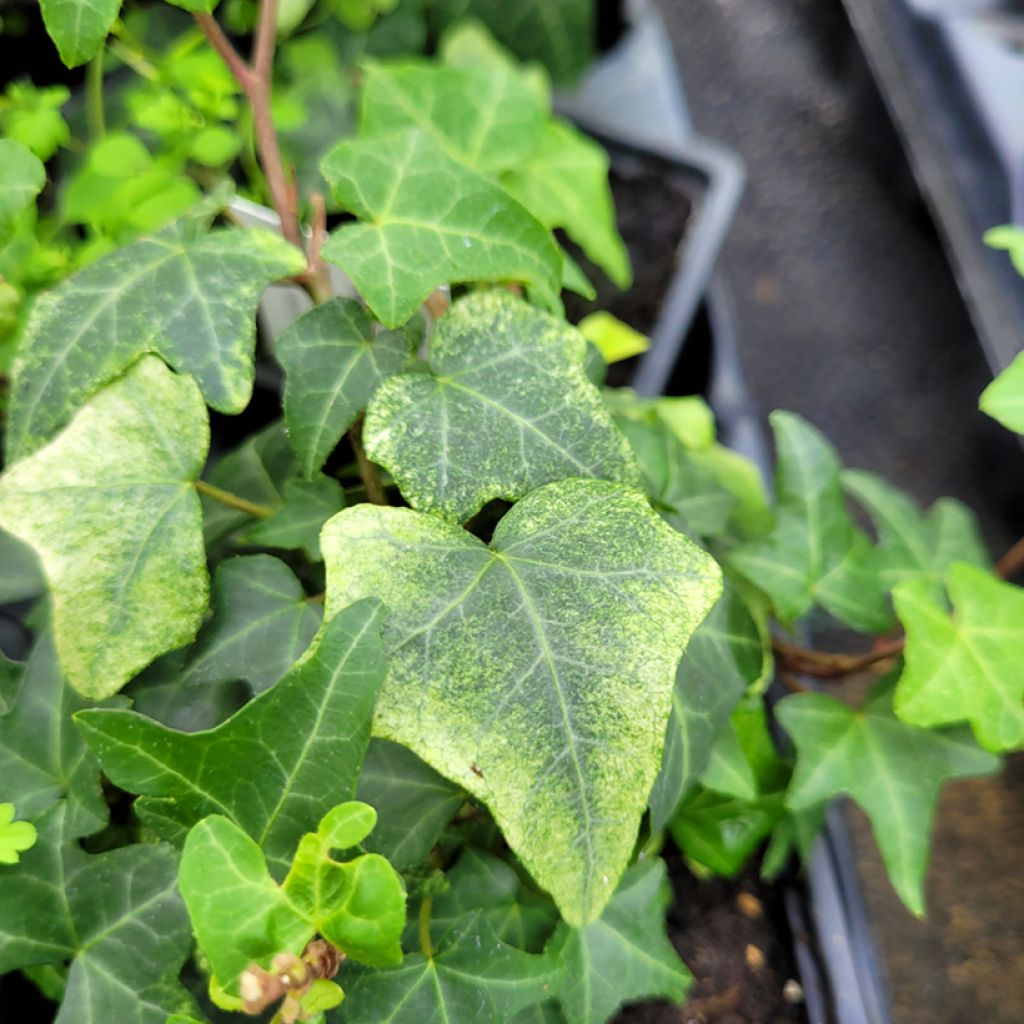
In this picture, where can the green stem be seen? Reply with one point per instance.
(233, 500)
(425, 944)
(94, 97)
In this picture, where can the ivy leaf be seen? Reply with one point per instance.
(11, 675)
(277, 765)
(624, 955)
(262, 622)
(429, 220)
(446, 434)
(43, 759)
(110, 508)
(537, 672)
(94, 325)
(814, 553)
(913, 545)
(15, 836)
(334, 360)
(22, 577)
(413, 803)
(472, 975)
(116, 916)
(22, 177)
(296, 525)
(241, 916)
(78, 27)
(966, 666)
(564, 184)
(725, 656)
(894, 771)
(1003, 399)
(486, 118)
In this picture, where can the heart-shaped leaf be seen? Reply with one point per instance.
(94, 325)
(502, 378)
(78, 27)
(110, 507)
(536, 672)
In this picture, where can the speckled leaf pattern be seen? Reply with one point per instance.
(502, 407)
(1003, 399)
(115, 916)
(277, 765)
(43, 758)
(190, 300)
(334, 360)
(22, 177)
(473, 976)
(429, 220)
(814, 553)
(564, 184)
(912, 544)
(964, 667)
(110, 507)
(487, 119)
(537, 672)
(262, 622)
(894, 771)
(624, 955)
(78, 27)
(725, 655)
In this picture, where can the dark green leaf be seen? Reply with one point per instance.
(536, 672)
(502, 406)
(296, 525)
(277, 766)
(22, 576)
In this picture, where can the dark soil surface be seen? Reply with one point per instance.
(733, 937)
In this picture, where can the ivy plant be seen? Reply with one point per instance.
(372, 664)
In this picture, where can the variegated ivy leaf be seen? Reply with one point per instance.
(894, 771)
(111, 509)
(964, 667)
(624, 955)
(277, 765)
(334, 360)
(502, 406)
(536, 672)
(78, 27)
(188, 298)
(1003, 399)
(115, 916)
(814, 554)
(912, 544)
(429, 220)
(22, 177)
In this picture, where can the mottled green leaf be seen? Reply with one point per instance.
(43, 758)
(190, 300)
(429, 220)
(472, 976)
(968, 666)
(912, 544)
(536, 672)
(110, 507)
(78, 27)
(894, 771)
(502, 406)
(277, 765)
(413, 803)
(564, 184)
(22, 177)
(334, 360)
(1003, 399)
(15, 836)
(262, 622)
(814, 553)
(116, 916)
(488, 119)
(296, 525)
(624, 955)
(724, 657)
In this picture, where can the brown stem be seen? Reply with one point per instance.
(367, 470)
(827, 665)
(250, 508)
(317, 279)
(220, 42)
(1012, 562)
